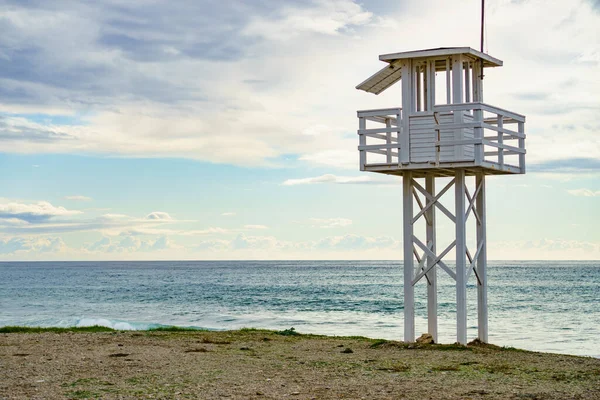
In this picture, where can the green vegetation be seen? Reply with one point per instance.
(36, 329)
(288, 332)
(176, 329)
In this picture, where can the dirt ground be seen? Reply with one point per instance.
(256, 364)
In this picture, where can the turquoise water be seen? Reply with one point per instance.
(544, 306)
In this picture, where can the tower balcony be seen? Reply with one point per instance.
(474, 136)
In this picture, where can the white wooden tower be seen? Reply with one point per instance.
(441, 131)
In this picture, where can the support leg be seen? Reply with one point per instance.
(461, 258)
(432, 326)
(409, 293)
(482, 310)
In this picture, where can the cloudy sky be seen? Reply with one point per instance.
(153, 129)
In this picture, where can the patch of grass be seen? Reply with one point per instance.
(213, 341)
(397, 367)
(86, 381)
(446, 347)
(176, 329)
(445, 368)
(83, 394)
(319, 364)
(288, 332)
(254, 330)
(37, 329)
(378, 343)
(498, 368)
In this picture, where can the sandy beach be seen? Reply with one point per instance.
(258, 364)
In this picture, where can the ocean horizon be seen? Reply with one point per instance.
(549, 306)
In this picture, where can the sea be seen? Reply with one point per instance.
(549, 306)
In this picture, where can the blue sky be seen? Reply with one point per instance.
(227, 130)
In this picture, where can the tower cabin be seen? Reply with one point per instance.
(442, 129)
(443, 123)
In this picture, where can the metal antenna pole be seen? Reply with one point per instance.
(482, 21)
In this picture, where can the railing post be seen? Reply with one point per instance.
(388, 141)
(407, 110)
(522, 147)
(457, 97)
(500, 125)
(362, 140)
(399, 133)
(478, 134)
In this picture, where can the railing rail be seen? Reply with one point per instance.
(495, 123)
(491, 138)
(390, 134)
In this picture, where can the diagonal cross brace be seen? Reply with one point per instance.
(416, 196)
(436, 260)
(473, 260)
(472, 204)
(422, 261)
(434, 200)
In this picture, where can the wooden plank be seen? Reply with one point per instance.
(408, 110)
(362, 140)
(377, 130)
(506, 120)
(504, 146)
(379, 136)
(381, 120)
(383, 153)
(500, 128)
(500, 139)
(379, 112)
(501, 111)
(457, 142)
(382, 146)
(388, 141)
(467, 68)
(417, 72)
(522, 147)
(431, 85)
(448, 84)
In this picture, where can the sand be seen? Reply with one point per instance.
(256, 364)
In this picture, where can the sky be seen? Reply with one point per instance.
(151, 130)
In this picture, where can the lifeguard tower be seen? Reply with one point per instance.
(443, 129)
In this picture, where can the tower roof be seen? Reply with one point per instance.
(392, 73)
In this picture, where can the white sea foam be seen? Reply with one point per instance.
(119, 325)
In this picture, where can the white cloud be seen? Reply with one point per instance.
(78, 198)
(254, 227)
(328, 17)
(32, 245)
(584, 192)
(356, 242)
(550, 249)
(330, 222)
(130, 243)
(254, 242)
(328, 178)
(159, 216)
(228, 214)
(38, 212)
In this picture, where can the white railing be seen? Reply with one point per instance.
(385, 129)
(483, 135)
(493, 147)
